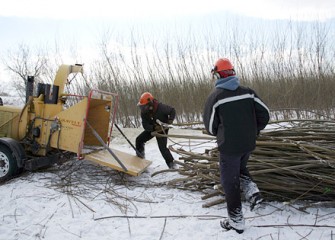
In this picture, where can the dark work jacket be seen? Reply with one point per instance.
(235, 117)
(161, 111)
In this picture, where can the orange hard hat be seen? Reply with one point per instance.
(145, 98)
(223, 64)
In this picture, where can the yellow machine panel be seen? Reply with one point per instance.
(9, 118)
(98, 117)
(71, 127)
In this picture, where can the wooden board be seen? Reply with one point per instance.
(134, 164)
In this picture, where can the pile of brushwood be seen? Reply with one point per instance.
(293, 161)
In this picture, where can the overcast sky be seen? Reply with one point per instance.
(29, 21)
(26, 20)
(21, 20)
(271, 9)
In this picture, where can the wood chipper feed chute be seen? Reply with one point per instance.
(94, 146)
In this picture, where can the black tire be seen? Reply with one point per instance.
(8, 165)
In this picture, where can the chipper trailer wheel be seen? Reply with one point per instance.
(8, 165)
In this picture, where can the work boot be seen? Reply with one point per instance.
(256, 201)
(140, 154)
(225, 225)
(172, 165)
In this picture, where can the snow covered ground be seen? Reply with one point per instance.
(79, 200)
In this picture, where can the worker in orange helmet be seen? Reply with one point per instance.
(235, 115)
(151, 111)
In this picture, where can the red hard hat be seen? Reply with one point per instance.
(145, 98)
(223, 64)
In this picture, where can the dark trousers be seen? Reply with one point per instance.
(161, 141)
(232, 167)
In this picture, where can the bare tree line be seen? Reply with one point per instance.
(290, 68)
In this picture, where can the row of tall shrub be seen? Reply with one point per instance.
(290, 66)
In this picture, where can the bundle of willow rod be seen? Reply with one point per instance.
(295, 160)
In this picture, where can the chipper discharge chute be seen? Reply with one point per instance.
(54, 122)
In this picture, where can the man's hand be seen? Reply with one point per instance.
(159, 128)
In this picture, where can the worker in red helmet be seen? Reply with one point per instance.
(151, 111)
(235, 115)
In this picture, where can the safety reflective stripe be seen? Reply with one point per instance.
(232, 99)
(262, 104)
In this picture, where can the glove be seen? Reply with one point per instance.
(157, 127)
(170, 121)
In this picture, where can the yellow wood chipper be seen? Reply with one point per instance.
(52, 123)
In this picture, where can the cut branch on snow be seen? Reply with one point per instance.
(289, 164)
